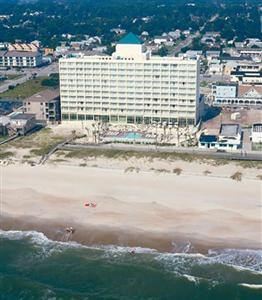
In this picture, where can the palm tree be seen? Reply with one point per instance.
(73, 132)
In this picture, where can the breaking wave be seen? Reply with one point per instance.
(240, 259)
(35, 267)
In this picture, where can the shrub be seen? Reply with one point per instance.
(259, 177)
(162, 171)
(130, 169)
(207, 172)
(7, 154)
(236, 176)
(177, 171)
(82, 165)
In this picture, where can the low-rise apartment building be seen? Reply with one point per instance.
(237, 95)
(247, 77)
(131, 86)
(45, 105)
(20, 59)
(255, 53)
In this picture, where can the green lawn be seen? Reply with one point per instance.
(257, 146)
(25, 90)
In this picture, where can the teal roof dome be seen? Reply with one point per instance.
(131, 39)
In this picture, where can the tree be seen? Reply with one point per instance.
(52, 81)
(162, 51)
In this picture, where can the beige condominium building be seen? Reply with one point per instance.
(131, 86)
(45, 105)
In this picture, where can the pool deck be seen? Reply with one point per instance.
(130, 136)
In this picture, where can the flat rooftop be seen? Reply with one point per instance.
(247, 73)
(209, 138)
(225, 84)
(21, 116)
(229, 129)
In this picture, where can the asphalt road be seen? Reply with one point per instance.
(188, 41)
(27, 74)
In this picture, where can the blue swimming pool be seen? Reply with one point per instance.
(132, 136)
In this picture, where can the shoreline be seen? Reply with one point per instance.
(93, 236)
(165, 212)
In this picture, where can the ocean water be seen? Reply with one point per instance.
(34, 267)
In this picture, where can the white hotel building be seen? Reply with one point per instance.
(131, 86)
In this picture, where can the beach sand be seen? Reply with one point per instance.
(162, 211)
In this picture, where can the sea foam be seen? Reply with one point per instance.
(251, 286)
(246, 259)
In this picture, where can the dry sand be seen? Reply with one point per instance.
(137, 209)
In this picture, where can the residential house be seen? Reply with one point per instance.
(228, 138)
(159, 40)
(22, 123)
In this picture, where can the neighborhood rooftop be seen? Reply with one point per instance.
(244, 89)
(21, 116)
(19, 53)
(44, 96)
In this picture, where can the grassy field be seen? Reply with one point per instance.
(114, 153)
(3, 138)
(6, 154)
(38, 143)
(25, 90)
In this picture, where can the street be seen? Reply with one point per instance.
(188, 41)
(27, 74)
